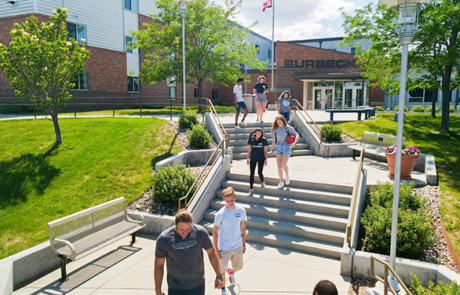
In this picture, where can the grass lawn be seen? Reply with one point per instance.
(101, 159)
(422, 131)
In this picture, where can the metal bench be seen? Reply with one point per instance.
(371, 110)
(374, 143)
(84, 232)
(358, 111)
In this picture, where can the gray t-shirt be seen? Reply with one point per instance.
(282, 133)
(284, 104)
(184, 256)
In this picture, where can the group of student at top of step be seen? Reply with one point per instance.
(284, 136)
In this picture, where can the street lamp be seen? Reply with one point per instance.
(407, 21)
(183, 13)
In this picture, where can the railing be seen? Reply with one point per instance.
(310, 121)
(385, 279)
(197, 184)
(354, 198)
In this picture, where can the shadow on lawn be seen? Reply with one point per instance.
(22, 175)
(165, 155)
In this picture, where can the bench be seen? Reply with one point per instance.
(371, 110)
(359, 111)
(374, 143)
(84, 232)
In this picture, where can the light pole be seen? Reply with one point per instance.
(183, 13)
(407, 21)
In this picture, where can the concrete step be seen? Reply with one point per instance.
(287, 241)
(313, 206)
(244, 142)
(249, 125)
(343, 190)
(240, 134)
(295, 190)
(288, 228)
(247, 130)
(288, 215)
(270, 155)
(244, 149)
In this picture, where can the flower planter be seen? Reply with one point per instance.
(407, 165)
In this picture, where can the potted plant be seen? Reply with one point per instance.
(409, 156)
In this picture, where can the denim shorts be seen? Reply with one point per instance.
(261, 97)
(241, 105)
(283, 149)
(285, 115)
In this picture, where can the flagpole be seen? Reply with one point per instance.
(273, 42)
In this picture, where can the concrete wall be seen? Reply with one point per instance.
(154, 224)
(193, 158)
(6, 276)
(213, 127)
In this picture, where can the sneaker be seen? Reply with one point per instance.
(261, 122)
(223, 291)
(251, 192)
(243, 123)
(237, 127)
(231, 276)
(280, 185)
(262, 184)
(287, 180)
(257, 120)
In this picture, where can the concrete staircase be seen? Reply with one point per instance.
(305, 216)
(239, 140)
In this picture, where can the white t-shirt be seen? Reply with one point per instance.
(238, 90)
(229, 223)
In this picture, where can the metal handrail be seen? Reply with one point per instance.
(354, 197)
(385, 280)
(221, 153)
(310, 121)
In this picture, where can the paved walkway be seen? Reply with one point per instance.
(123, 270)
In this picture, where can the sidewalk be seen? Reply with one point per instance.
(124, 270)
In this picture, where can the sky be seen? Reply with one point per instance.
(297, 19)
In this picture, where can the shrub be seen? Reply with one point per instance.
(452, 109)
(199, 137)
(333, 132)
(397, 109)
(417, 109)
(382, 195)
(187, 119)
(172, 183)
(428, 109)
(17, 109)
(380, 109)
(442, 289)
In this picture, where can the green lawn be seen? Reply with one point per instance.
(101, 159)
(422, 131)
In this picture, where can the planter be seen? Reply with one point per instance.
(407, 165)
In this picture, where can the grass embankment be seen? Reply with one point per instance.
(101, 159)
(422, 131)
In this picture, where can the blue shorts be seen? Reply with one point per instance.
(261, 97)
(283, 149)
(285, 115)
(241, 104)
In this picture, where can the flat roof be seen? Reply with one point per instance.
(315, 40)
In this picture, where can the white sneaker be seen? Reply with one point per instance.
(237, 127)
(261, 121)
(287, 180)
(243, 123)
(257, 120)
(223, 291)
(231, 276)
(280, 185)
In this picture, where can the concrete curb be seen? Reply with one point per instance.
(194, 157)
(6, 276)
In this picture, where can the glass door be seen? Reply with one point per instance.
(349, 98)
(359, 97)
(328, 93)
(318, 97)
(323, 97)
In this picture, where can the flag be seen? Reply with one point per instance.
(267, 4)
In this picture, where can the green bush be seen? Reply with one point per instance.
(17, 109)
(417, 109)
(333, 132)
(442, 289)
(199, 137)
(397, 109)
(172, 183)
(187, 119)
(428, 109)
(380, 109)
(452, 109)
(382, 195)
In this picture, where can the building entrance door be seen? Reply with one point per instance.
(323, 97)
(353, 97)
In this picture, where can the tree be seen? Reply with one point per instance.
(42, 63)
(214, 51)
(433, 56)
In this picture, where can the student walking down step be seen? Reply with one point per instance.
(284, 105)
(284, 138)
(257, 155)
(239, 102)
(261, 90)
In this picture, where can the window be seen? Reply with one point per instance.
(257, 49)
(131, 39)
(133, 84)
(171, 91)
(132, 5)
(269, 53)
(195, 92)
(353, 50)
(78, 32)
(416, 95)
(215, 94)
(242, 66)
(81, 82)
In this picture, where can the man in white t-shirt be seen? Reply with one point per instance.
(229, 235)
(239, 102)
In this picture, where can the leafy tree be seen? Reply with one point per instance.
(41, 63)
(433, 58)
(214, 50)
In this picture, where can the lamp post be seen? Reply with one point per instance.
(183, 13)
(407, 21)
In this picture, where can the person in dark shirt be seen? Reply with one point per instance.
(257, 155)
(261, 90)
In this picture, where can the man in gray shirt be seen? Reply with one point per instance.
(181, 246)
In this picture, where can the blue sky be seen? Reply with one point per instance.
(297, 19)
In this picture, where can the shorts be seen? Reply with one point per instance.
(285, 115)
(197, 291)
(236, 255)
(261, 97)
(283, 149)
(241, 104)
